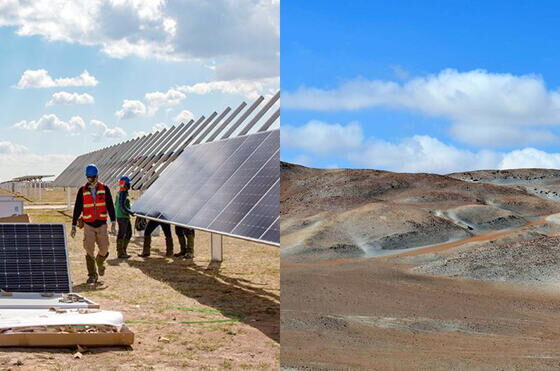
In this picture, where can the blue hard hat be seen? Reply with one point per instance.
(125, 179)
(91, 170)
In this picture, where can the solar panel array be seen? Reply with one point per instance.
(143, 159)
(33, 258)
(230, 187)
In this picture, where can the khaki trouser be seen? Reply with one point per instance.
(93, 235)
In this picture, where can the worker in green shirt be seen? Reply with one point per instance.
(122, 208)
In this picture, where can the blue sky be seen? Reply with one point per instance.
(433, 86)
(149, 64)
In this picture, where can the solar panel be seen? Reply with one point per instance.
(33, 258)
(229, 187)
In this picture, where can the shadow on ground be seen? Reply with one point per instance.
(236, 298)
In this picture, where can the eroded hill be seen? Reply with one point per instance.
(349, 212)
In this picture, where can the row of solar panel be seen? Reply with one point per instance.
(144, 158)
(229, 187)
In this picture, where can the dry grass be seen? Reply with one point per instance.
(214, 317)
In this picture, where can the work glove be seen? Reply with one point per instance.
(114, 228)
(73, 231)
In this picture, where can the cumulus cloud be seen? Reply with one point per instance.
(63, 97)
(131, 109)
(140, 133)
(184, 116)
(160, 126)
(157, 127)
(158, 99)
(246, 43)
(104, 131)
(251, 89)
(322, 138)
(476, 102)
(11, 148)
(51, 122)
(42, 79)
(154, 101)
(418, 153)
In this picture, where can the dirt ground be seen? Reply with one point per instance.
(184, 317)
(375, 314)
(489, 300)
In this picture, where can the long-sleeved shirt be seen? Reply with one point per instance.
(79, 206)
(123, 210)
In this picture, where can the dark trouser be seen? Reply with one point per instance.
(152, 225)
(125, 229)
(186, 240)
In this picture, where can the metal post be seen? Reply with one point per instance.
(216, 247)
(68, 198)
(40, 190)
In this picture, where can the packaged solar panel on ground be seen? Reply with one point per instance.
(229, 187)
(10, 208)
(33, 258)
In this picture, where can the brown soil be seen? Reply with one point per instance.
(379, 313)
(374, 314)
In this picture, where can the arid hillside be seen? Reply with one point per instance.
(345, 212)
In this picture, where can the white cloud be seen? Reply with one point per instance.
(530, 158)
(63, 97)
(251, 89)
(419, 153)
(157, 99)
(131, 109)
(184, 116)
(160, 126)
(104, 131)
(322, 138)
(476, 102)
(11, 148)
(157, 127)
(247, 37)
(140, 133)
(42, 79)
(51, 122)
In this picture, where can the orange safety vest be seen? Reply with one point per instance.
(94, 209)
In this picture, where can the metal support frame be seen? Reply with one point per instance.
(217, 247)
(144, 159)
(69, 198)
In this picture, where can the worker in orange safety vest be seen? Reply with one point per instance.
(92, 207)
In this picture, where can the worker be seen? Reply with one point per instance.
(124, 213)
(150, 227)
(93, 203)
(186, 241)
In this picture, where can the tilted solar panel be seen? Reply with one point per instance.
(229, 187)
(33, 258)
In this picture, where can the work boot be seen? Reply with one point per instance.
(125, 246)
(120, 248)
(183, 243)
(147, 247)
(92, 272)
(168, 246)
(100, 260)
